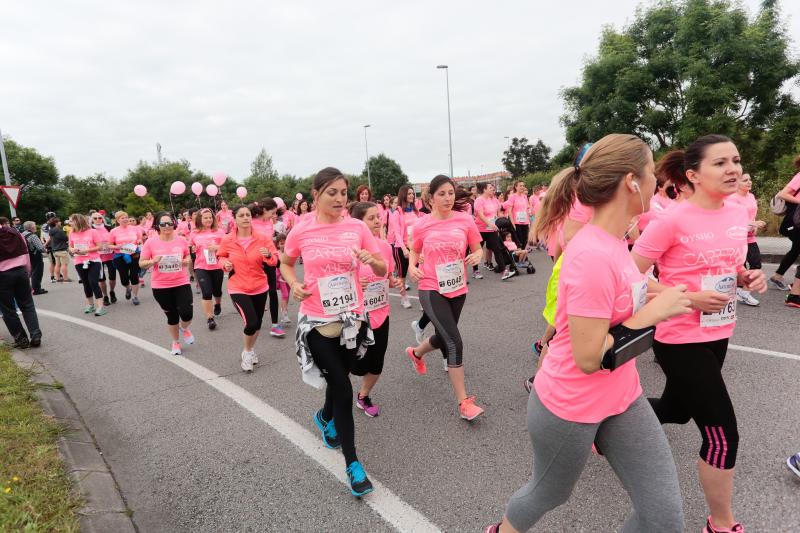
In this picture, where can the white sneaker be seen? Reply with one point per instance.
(419, 333)
(408, 286)
(746, 298)
(175, 349)
(247, 361)
(254, 357)
(285, 320)
(186, 335)
(405, 302)
(476, 274)
(508, 274)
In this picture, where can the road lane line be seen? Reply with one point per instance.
(764, 352)
(388, 505)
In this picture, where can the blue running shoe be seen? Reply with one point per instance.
(329, 436)
(793, 463)
(359, 482)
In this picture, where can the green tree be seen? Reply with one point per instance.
(685, 69)
(137, 206)
(386, 175)
(92, 192)
(38, 177)
(522, 158)
(263, 180)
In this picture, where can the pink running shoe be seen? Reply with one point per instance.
(711, 528)
(418, 362)
(468, 409)
(494, 528)
(365, 404)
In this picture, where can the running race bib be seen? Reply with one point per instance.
(338, 293)
(522, 217)
(169, 264)
(376, 295)
(450, 277)
(408, 230)
(211, 257)
(726, 284)
(639, 293)
(129, 248)
(81, 248)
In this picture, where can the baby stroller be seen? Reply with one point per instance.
(504, 225)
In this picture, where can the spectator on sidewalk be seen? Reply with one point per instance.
(15, 285)
(59, 244)
(36, 253)
(16, 224)
(791, 195)
(45, 237)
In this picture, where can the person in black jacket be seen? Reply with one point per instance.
(35, 251)
(15, 286)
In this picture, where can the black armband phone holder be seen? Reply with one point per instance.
(628, 343)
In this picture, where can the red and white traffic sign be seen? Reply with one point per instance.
(12, 193)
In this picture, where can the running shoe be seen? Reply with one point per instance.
(328, 430)
(128, 292)
(365, 404)
(89, 309)
(710, 528)
(21, 341)
(508, 274)
(176, 348)
(106, 301)
(746, 298)
(359, 482)
(537, 348)
(792, 462)
(113, 297)
(187, 336)
(52, 279)
(792, 300)
(405, 302)
(494, 528)
(285, 320)
(277, 331)
(528, 384)
(468, 409)
(212, 324)
(36, 340)
(408, 286)
(135, 300)
(101, 311)
(418, 362)
(141, 283)
(254, 357)
(419, 333)
(477, 274)
(247, 361)
(777, 284)
(217, 309)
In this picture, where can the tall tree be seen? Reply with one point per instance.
(38, 177)
(263, 180)
(386, 175)
(523, 158)
(684, 69)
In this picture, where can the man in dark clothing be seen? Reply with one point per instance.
(35, 251)
(15, 285)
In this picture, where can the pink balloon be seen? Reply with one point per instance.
(197, 188)
(299, 196)
(279, 201)
(241, 192)
(211, 189)
(177, 187)
(140, 190)
(220, 178)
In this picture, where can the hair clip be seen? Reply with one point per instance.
(580, 156)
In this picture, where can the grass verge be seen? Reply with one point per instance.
(35, 491)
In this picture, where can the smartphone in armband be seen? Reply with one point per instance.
(628, 344)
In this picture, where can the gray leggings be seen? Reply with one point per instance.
(634, 445)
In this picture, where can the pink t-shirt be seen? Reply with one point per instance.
(378, 316)
(170, 271)
(83, 240)
(658, 205)
(264, 227)
(613, 291)
(225, 220)
(794, 184)
(103, 238)
(510, 245)
(534, 202)
(703, 249)
(127, 236)
(517, 207)
(147, 224)
(749, 202)
(396, 233)
(184, 228)
(327, 252)
(200, 240)
(410, 218)
(580, 213)
(488, 207)
(443, 244)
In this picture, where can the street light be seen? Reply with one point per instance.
(449, 129)
(366, 149)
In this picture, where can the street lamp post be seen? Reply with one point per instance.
(366, 149)
(449, 128)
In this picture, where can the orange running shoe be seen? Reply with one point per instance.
(418, 362)
(468, 409)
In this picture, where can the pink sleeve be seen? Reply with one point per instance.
(368, 241)
(589, 296)
(146, 253)
(508, 204)
(473, 235)
(580, 213)
(291, 246)
(794, 185)
(419, 231)
(658, 238)
(479, 201)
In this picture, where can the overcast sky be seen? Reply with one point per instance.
(96, 84)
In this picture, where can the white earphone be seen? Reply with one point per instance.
(635, 186)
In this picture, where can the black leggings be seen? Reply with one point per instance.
(210, 282)
(521, 234)
(753, 261)
(176, 302)
(696, 391)
(372, 362)
(335, 361)
(90, 278)
(423, 321)
(788, 229)
(492, 240)
(272, 291)
(444, 313)
(128, 272)
(401, 261)
(251, 308)
(112, 271)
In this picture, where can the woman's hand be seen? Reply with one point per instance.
(405, 252)
(363, 256)
(187, 260)
(415, 273)
(265, 253)
(474, 258)
(708, 301)
(670, 302)
(227, 266)
(299, 291)
(394, 282)
(753, 280)
(213, 247)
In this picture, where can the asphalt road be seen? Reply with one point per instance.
(188, 457)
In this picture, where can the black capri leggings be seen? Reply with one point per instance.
(112, 272)
(521, 234)
(128, 272)
(401, 261)
(372, 362)
(176, 302)
(251, 308)
(272, 291)
(90, 278)
(788, 229)
(444, 313)
(492, 240)
(696, 391)
(753, 261)
(210, 282)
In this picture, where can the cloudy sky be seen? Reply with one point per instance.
(97, 84)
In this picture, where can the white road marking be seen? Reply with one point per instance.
(388, 505)
(764, 352)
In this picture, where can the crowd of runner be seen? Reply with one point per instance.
(670, 246)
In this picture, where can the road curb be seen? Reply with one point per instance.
(105, 508)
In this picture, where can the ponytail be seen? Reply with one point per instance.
(557, 202)
(670, 168)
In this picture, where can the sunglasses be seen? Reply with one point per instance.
(166, 224)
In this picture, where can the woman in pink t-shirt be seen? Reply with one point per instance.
(486, 208)
(519, 212)
(407, 215)
(583, 395)
(224, 217)
(205, 241)
(333, 330)
(125, 240)
(169, 256)
(263, 213)
(83, 245)
(107, 269)
(701, 243)
(746, 199)
(791, 195)
(437, 262)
